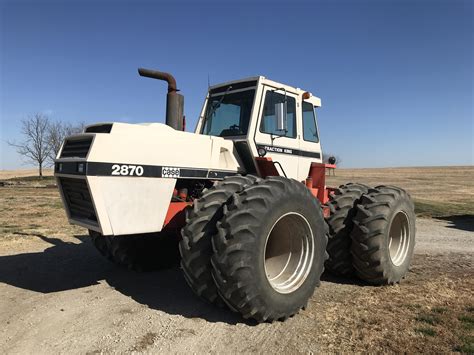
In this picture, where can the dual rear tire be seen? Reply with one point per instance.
(383, 237)
(342, 208)
(372, 233)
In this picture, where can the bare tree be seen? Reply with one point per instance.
(56, 136)
(35, 146)
(75, 128)
(57, 132)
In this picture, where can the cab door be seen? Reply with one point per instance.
(282, 145)
(310, 147)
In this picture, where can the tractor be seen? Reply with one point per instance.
(242, 202)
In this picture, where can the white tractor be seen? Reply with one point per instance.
(243, 199)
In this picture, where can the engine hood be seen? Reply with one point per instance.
(152, 145)
(118, 179)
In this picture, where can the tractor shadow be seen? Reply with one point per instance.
(341, 280)
(462, 222)
(67, 266)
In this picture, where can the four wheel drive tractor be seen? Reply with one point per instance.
(243, 199)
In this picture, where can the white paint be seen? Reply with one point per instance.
(128, 205)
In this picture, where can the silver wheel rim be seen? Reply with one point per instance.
(289, 252)
(399, 238)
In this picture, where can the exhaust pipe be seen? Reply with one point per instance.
(174, 101)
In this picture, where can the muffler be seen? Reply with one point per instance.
(174, 101)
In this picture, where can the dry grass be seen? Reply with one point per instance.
(437, 191)
(29, 210)
(431, 311)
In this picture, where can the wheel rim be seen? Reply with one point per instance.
(289, 252)
(399, 238)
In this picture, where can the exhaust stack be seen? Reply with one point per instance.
(174, 101)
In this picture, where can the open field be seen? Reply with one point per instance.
(20, 173)
(437, 191)
(59, 295)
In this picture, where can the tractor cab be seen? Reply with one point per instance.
(265, 118)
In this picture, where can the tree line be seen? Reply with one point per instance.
(42, 139)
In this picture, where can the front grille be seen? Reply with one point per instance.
(76, 148)
(78, 199)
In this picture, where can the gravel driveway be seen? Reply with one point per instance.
(58, 295)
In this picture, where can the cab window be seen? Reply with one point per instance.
(228, 114)
(310, 131)
(269, 124)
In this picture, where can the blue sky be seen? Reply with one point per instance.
(395, 77)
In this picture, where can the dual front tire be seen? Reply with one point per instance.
(201, 225)
(266, 254)
(270, 249)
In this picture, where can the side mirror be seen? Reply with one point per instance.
(280, 114)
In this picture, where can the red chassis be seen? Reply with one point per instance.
(316, 183)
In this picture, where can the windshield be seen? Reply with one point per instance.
(228, 114)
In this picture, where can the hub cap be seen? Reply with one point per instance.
(289, 252)
(399, 238)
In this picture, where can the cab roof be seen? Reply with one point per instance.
(264, 81)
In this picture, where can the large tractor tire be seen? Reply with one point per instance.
(383, 237)
(195, 246)
(342, 206)
(139, 252)
(270, 249)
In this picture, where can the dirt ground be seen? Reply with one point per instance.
(59, 295)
